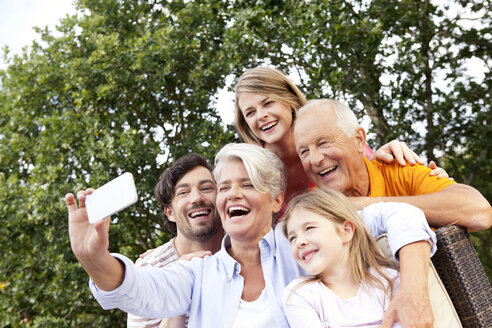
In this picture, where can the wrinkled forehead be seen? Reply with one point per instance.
(312, 114)
(314, 125)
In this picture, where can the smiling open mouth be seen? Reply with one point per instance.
(307, 256)
(328, 170)
(237, 211)
(269, 126)
(199, 213)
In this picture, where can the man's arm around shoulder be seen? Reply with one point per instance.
(457, 204)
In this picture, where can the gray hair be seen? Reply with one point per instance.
(347, 121)
(265, 169)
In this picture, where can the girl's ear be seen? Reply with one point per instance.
(348, 229)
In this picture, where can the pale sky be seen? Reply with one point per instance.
(18, 17)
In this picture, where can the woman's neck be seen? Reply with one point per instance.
(297, 180)
(244, 252)
(249, 257)
(285, 148)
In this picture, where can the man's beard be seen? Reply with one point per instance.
(205, 231)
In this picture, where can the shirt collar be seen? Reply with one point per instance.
(230, 264)
(269, 238)
(377, 187)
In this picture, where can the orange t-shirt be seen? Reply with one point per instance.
(395, 180)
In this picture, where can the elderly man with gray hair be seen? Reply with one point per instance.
(330, 143)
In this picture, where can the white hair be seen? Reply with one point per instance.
(347, 121)
(265, 170)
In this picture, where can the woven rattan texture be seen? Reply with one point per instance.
(462, 274)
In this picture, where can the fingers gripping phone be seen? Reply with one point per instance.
(111, 198)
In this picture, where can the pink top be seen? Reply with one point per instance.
(369, 151)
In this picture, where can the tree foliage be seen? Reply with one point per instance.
(132, 85)
(407, 65)
(129, 86)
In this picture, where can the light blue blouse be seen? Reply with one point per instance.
(210, 289)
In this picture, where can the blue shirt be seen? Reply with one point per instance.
(210, 289)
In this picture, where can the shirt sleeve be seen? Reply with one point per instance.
(404, 224)
(418, 180)
(150, 292)
(298, 307)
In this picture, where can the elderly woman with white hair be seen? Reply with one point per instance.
(239, 286)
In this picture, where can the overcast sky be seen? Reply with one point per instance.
(18, 17)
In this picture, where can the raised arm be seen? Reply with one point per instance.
(115, 281)
(457, 204)
(90, 243)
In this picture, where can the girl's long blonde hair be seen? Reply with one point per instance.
(364, 253)
(269, 82)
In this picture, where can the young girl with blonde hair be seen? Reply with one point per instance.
(350, 282)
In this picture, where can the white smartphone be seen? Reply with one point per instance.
(111, 198)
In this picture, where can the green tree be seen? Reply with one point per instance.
(401, 63)
(128, 86)
(131, 85)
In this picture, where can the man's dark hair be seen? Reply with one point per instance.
(164, 190)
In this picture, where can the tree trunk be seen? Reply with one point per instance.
(426, 37)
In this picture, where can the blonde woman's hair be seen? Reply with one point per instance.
(269, 82)
(364, 253)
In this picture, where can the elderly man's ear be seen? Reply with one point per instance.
(360, 139)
